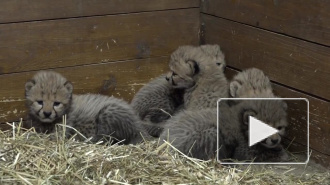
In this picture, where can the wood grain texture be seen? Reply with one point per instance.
(320, 158)
(71, 42)
(292, 62)
(319, 116)
(319, 125)
(27, 10)
(315, 156)
(306, 19)
(120, 79)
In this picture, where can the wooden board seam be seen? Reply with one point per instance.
(288, 87)
(50, 44)
(310, 149)
(97, 15)
(279, 56)
(267, 30)
(81, 65)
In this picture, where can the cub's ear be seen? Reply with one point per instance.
(194, 67)
(68, 85)
(247, 114)
(214, 47)
(29, 84)
(233, 88)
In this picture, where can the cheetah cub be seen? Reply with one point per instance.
(250, 83)
(253, 83)
(199, 71)
(156, 102)
(192, 132)
(159, 96)
(49, 97)
(195, 132)
(271, 112)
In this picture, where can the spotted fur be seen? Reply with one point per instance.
(199, 71)
(49, 97)
(250, 83)
(156, 102)
(253, 83)
(195, 132)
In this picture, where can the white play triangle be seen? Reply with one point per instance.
(258, 131)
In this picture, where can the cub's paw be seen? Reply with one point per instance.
(284, 156)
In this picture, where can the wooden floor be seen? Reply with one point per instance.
(114, 47)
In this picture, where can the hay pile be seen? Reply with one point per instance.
(30, 158)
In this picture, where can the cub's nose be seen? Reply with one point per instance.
(274, 141)
(167, 78)
(47, 114)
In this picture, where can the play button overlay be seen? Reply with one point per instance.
(259, 131)
(276, 131)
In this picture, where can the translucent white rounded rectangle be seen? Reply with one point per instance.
(280, 163)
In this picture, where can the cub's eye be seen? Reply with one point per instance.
(174, 74)
(40, 102)
(56, 104)
(218, 64)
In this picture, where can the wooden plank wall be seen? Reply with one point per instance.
(290, 42)
(110, 47)
(113, 47)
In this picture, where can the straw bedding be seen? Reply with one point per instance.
(27, 157)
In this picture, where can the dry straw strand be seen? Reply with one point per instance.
(27, 157)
